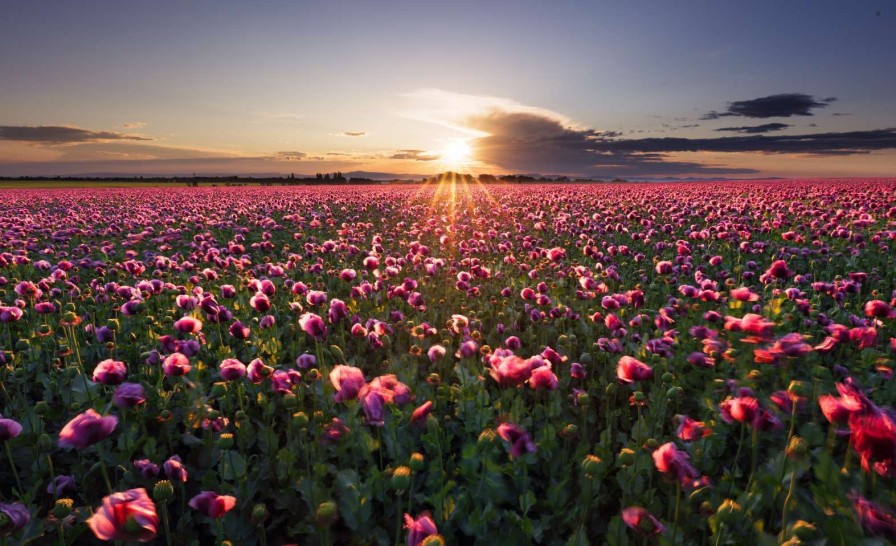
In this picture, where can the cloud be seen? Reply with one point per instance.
(838, 143)
(51, 134)
(134, 125)
(516, 138)
(415, 155)
(755, 129)
(783, 105)
(354, 133)
(289, 156)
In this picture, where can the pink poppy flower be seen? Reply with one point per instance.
(128, 516)
(211, 504)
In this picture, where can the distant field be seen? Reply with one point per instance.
(13, 184)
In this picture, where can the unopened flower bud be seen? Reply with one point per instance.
(326, 514)
(62, 508)
(592, 465)
(401, 478)
(225, 441)
(162, 491)
(417, 462)
(626, 457)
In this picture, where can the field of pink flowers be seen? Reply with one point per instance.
(705, 363)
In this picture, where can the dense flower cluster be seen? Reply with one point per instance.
(433, 364)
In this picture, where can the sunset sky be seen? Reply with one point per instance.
(630, 89)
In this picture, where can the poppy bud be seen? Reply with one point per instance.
(729, 511)
(668, 377)
(163, 491)
(300, 420)
(113, 325)
(592, 465)
(259, 513)
(639, 396)
(417, 462)
(41, 408)
(218, 390)
(225, 441)
(570, 431)
(44, 443)
(487, 438)
(401, 478)
(626, 457)
(241, 416)
(326, 514)
(802, 530)
(798, 388)
(62, 508)
(796, 449)
(433, 540)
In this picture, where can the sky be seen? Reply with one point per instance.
(647, 89)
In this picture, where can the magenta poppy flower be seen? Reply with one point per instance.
(642, 522)
(260, 302)
(878, 309)
(435, 352)
(147, 468)
(10, 314)
(419, 528)
(9, 429)
(543, 378)
(316, 297)
(874, 518)
(306, 361)
(744, 294)
(188, 325)
(372, 403)
(874, 439)
(778, 270)
(86, 429)
(239, 331)
(110, 372)
(129, 395)
(676, 464)
(418, 417)
(211, 504)
(174, 469)
(690, 429)
(348, 381)
(231, 369)
(630, 369)
(258, 370)
(128, 515)
(313, 325)
(743, 409)
(518, 439)
(510, 370)
(176, 365)
(60, 484)
(17, 517)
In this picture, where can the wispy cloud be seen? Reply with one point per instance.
(756, 129)
(415, 155)
(354, 133)
(134, 125)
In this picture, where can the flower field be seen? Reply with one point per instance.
(702, 363)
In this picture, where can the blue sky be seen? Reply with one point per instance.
(418, 87)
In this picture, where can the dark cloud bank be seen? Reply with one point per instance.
(783, 105)
(60, 135)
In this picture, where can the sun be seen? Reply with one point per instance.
(456, 154)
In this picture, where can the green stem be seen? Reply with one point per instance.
(101, 453)
(398, 519)
(12, 465)
(165, 523)
(786, 502)
(740, 442)
(677, 506)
